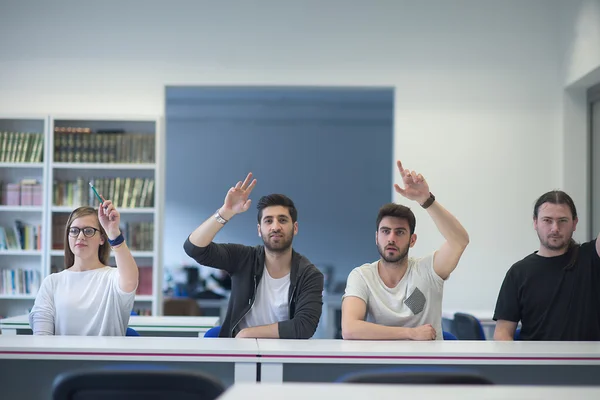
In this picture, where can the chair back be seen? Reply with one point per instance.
(467, 327)
(417, 376)
(136, 385)
(213, 332)
(448, 336)
(131, 332)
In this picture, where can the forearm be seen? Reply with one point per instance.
(261, 332)
(205, 233)
(127, 267)
(503, 335)
(450, 228)
(362, 330)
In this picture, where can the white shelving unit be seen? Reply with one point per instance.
(18, 162)
(52, 170)
(61, 170)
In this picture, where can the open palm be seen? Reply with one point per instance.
(237, 200)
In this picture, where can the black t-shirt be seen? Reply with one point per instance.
(551, 301)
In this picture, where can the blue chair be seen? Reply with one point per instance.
(131, 332)
(448, 336)
(467, 327)
(136, 385)
(416, 375)
(213, 332)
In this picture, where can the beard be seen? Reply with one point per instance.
(278, 245)
(555, 245)
(390, 258)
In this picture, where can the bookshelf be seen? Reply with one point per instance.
(23, 170)
(122, 156)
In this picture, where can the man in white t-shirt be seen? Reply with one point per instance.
(400, 297)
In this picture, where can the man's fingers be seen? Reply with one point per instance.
(399, 189)
(247, 181)
(399, 164)
(252, 184)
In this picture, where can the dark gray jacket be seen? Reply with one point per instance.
(245, 265)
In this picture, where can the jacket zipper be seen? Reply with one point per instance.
(292, 297)
(251, 302)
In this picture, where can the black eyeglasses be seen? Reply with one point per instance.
(88, 231)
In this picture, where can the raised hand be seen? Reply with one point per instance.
(423, 332)
(236, 200)
(415, 186)
(109, 218)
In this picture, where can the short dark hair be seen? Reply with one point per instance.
(555, 197)
(398, 211)
(277, 200)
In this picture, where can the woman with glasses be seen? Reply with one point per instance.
(89, 298)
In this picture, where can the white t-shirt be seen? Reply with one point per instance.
(415, 301)
(86, 303)
(270, 303)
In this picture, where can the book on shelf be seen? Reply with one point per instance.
(21, 147)
(81, 145)
(123, 192)
(26, 193)
(17, 281)
(21, 236)
(59, 223)
(139, 235)
(145, 281)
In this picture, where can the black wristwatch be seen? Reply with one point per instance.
(429, 201)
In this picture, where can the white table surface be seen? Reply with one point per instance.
(300, 391)
(127, 348)
(438, 352)
(138, 322)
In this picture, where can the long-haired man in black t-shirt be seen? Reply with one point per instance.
(555, 291)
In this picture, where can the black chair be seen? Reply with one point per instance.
(467, 327)
(136, 385)
(417, 376)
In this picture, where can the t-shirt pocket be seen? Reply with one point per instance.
(416, 301)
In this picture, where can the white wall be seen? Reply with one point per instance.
(582, 31)
(581, 69)
(477, 88)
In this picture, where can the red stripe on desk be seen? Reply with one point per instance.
(67, 353)
(437, 358)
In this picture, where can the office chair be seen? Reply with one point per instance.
(467, 327)
(448, 336)
(417, 376)
(136, 385)
(213, 332)
(131, 332)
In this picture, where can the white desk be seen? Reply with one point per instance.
(295, 391)
(42, 358)
(502, 362)
(161, 324)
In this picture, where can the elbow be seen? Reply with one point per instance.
(349, 331)
(464, 240)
